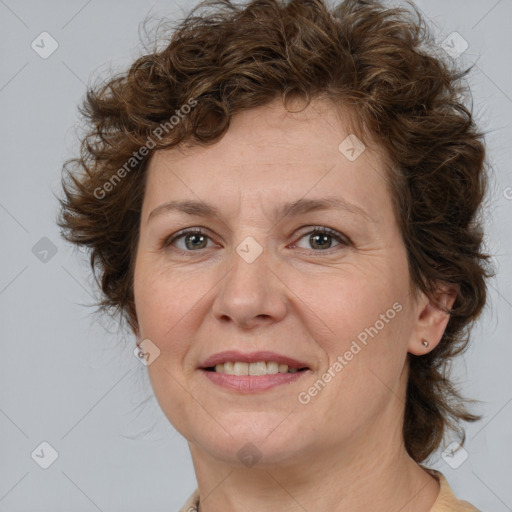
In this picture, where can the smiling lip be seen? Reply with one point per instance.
(252, 383)
(251, 357)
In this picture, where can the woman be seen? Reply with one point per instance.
(282, 203)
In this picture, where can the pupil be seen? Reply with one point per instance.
(189, 237)
(322, 236)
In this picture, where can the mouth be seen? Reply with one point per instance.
(257, 368)
(257, 371)
(233, 362)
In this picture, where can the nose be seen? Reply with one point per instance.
(252, 293)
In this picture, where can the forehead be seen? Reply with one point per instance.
(273, 156)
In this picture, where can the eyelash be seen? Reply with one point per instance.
(343, 240)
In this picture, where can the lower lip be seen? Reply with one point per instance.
(252, 383)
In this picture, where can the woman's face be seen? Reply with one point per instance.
(264, 277)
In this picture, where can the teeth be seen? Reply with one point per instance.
(241, 368)
(229, 368)
(272, 367)
(259, 368)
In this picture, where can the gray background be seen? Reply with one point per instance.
(73, 381)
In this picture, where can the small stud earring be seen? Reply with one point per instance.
(425, 343)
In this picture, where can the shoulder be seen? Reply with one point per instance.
(447, 501)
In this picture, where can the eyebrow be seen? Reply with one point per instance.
(293, 208)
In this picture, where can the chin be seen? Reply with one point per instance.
(261, 443)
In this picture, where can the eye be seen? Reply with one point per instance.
(321, 238)
(193, 239)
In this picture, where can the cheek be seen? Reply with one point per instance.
(365, 350)
(160, 295)
(167, 305)
(363, 335)
(349, 304)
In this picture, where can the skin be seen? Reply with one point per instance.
(344, 450)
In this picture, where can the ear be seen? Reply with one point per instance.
(430, 320)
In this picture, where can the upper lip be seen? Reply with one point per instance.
(251, 357)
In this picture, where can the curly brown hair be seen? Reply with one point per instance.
(384, 65)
